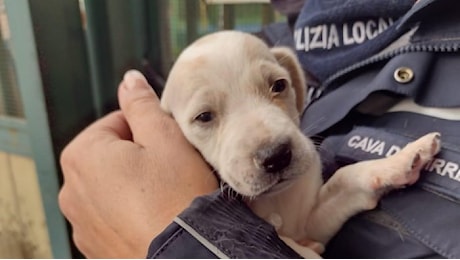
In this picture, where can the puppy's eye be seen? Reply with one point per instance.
(204, 117)
(279, 85)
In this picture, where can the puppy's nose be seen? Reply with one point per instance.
(274, 158)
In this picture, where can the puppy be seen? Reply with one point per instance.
(238, 102)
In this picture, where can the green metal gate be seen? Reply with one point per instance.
(64, 59)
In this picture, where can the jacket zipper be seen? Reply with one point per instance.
(445, 47)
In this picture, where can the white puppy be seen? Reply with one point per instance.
(238, 102)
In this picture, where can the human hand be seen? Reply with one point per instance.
(128, 175)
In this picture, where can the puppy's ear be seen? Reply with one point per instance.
(287, 58)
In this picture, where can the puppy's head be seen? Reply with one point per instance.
(238, 102)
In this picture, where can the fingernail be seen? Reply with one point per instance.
(130, 78)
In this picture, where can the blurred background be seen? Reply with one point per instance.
(60, 64)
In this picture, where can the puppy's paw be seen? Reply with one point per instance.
(365, 182)
(405, 166)
(426, 147)
(317, 247)
(309, 251)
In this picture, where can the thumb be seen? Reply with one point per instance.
(141, 107)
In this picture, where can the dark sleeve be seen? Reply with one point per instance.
(217, 226)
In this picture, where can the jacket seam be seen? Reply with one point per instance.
(209, 237)
(168, 242)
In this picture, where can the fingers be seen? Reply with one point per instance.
(111, 127)
(93, 140)
(142, 110)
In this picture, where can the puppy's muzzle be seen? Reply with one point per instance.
(273, 158)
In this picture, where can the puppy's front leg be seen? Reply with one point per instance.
(359, 186)
(309, 251)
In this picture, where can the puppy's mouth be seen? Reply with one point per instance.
(278, 186)
(269, 185)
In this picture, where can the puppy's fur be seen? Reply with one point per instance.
(238, 102)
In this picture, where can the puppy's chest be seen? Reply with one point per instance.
(284, 217)
(276, 220)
